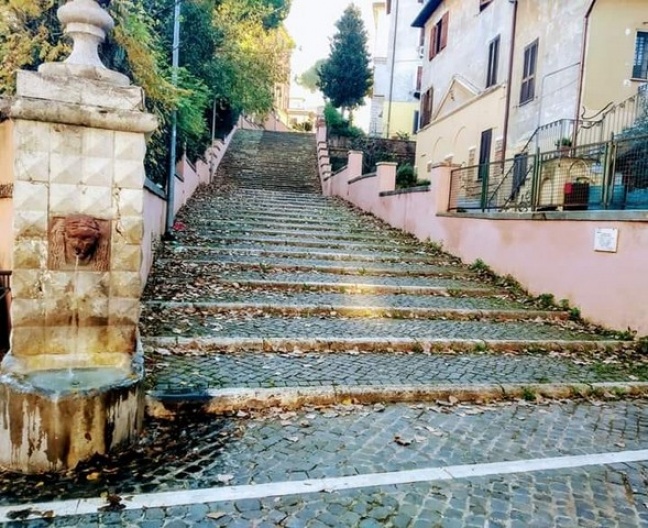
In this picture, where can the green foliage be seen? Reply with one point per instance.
(337, 125)
(405, 176)
(479, 266)
(310, 78)
(546, 301)
(232, 52)
(346, 78)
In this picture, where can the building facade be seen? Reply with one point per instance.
(397, 68)
(497, 74)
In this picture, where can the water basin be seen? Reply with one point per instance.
(76, 379)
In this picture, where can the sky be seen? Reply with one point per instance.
(311, 23)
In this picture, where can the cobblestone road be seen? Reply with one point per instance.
(343, 441)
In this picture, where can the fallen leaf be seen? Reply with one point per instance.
(225, 479)
(95, 475)
(216, 515)
(402, 441)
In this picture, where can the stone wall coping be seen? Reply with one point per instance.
(408, 190)
(583, 216)
(363, 177)
(79, 90)
(31, 109)
(339, 171)
(154, 188)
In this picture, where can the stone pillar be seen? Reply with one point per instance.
(70, 386)
(386, 173)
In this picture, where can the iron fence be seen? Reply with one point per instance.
(610, 175)
(5, 321)
(493, 185)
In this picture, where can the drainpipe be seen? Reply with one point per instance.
(510, 78)
(581, 73)
(393, 66)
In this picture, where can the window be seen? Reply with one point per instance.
(483, 4)
(527, 91)
(439, 36)
(388, 6)
(493, 62)
(426, 107)
(640, 70)
(419, 78)
(415, 125)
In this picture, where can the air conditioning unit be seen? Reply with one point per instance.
(421, 51)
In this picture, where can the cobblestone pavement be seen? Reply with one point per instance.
(263, 237)
(167, 323)
(323, 299)
(349, 440)
(172, 373)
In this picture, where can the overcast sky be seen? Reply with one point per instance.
(312, 22)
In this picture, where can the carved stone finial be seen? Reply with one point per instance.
(87, 23)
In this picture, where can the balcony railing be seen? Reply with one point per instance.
(609, 175)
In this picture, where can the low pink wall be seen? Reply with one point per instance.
(155, 205)
(545, 256)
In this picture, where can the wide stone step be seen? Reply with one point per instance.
(206, 237)
(188, 309)
(270, 250)
(333, 227)
(333, 329)
(224, 263)
(177, 373)
(265, 235)
(326, 301)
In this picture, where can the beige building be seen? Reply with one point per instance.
(566, 60)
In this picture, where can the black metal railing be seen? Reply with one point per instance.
(5, 321)
(609, 175)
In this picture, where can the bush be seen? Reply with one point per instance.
(339, 126)
(405, 176)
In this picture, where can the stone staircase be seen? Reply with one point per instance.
(273, 294)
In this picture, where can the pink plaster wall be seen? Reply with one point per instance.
(155, 207)
(545, 256)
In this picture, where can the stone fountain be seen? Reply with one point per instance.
(71, 385)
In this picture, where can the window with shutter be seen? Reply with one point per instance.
(388, 6)
(640, 68)
(493, 62)
(444, 31)
(527, 90)
(432, 48)
(419, 76)
(439, 36)
(426, 107)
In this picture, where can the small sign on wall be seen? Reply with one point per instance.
(606, 240)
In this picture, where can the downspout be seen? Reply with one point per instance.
(581, 73)
(392, 68)
(509, 84)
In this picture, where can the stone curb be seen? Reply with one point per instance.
(381, 257)
(223, 345)
(366, 311)
(364, 288)
(223, 401)
(300, 242)
(449, 271)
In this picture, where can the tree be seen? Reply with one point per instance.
(345, 78)
(231, 52)
(310, 78)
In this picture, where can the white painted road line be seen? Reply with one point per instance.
(278, 489)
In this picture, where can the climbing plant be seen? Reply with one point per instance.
(232, 53)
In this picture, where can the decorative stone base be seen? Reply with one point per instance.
(51, 420)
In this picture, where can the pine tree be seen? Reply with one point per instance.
(345, 77)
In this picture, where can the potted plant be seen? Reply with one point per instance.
(563, 143)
